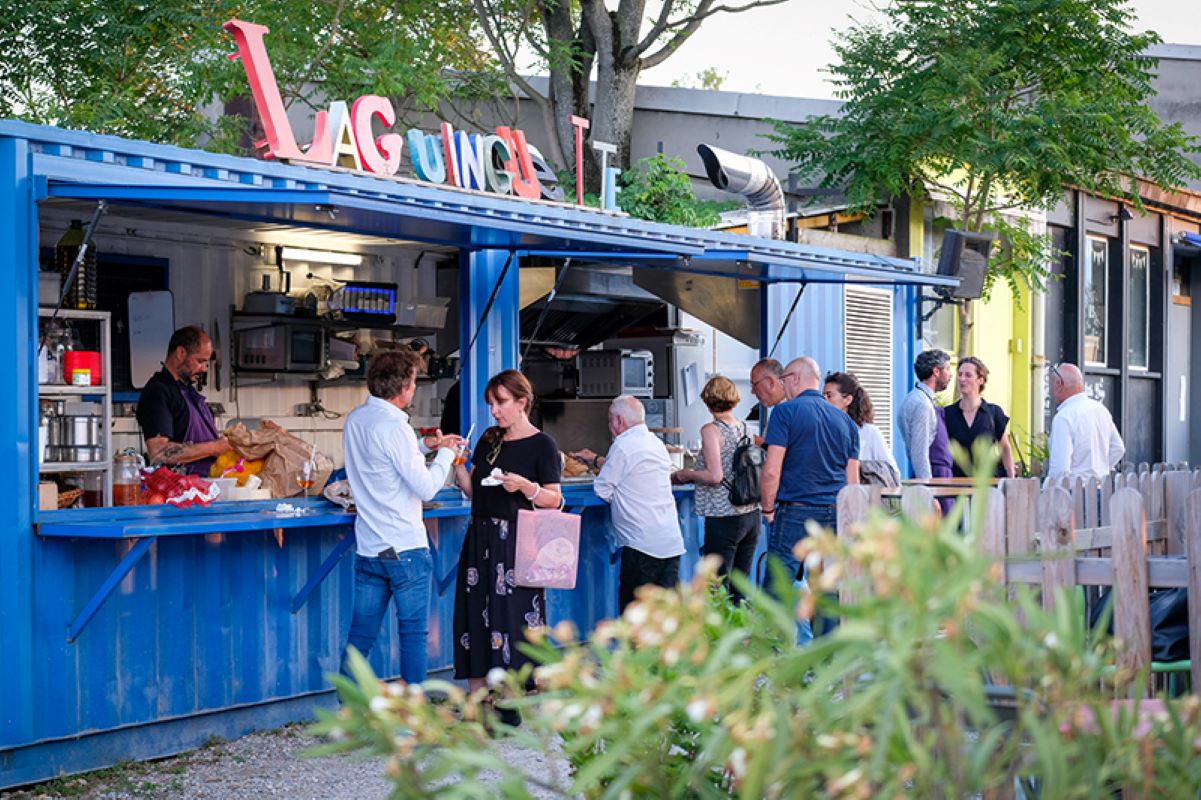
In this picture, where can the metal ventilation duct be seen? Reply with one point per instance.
(751, 178)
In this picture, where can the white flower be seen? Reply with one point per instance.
(670, 624)
(380, 704)
(699, 710)
(636, 614)
(737, 762)
(1051, 640)
(495, 678)
(591, 717)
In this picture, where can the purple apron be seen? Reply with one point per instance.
(940, 457)
(202, 428)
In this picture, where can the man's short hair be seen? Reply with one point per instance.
(628, 409)
(391, 371)
(189, 337)
(771, 365)
(927, 361)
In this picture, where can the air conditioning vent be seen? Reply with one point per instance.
(869, 348)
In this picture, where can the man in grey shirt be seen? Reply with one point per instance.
(918, 417)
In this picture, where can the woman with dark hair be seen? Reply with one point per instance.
(876, 462)
(974, 418)
(731, 531)
(492, 613)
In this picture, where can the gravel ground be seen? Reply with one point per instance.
(263, 764)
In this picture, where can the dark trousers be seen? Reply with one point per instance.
(733, 539)
(639, 569)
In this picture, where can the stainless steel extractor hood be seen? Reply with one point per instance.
(593, 303)
(725, 303)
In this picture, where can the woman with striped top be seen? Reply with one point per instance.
(731, 532)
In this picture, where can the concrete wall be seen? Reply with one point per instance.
(1178, 98)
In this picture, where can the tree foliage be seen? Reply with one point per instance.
(148, 69)
(995, 105)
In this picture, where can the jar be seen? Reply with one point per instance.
(127, 477)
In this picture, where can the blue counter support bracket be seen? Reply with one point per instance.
(327, 566)
(116, 576)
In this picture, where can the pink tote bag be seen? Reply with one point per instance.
(548, 549)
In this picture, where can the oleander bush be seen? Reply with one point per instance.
(936, 684)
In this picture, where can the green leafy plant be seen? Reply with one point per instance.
(659, 189)
(936, 684)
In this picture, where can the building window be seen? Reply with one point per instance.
(868, 347)
(1140, 307)
(1096, 301)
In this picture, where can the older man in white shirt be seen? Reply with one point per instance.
(1084, 441)
(635, 479)
(389, 478)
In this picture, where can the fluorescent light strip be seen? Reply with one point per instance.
(322, 256)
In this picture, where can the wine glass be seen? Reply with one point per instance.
(305, 478)
(692, 449)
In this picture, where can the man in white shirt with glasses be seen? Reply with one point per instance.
(1084, 441)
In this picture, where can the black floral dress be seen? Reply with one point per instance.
(491, 611)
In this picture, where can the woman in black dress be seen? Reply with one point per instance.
(973, 418)
(492, 613)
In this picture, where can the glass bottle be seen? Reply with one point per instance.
(81, 294)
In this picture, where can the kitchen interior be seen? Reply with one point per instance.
(294, 314)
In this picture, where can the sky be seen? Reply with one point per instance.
(782, 50)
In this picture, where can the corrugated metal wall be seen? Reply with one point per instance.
(816, 328)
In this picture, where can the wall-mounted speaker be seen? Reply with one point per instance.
(965, 256)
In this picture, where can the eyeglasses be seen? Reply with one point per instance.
(761, 380)
(1055, 372)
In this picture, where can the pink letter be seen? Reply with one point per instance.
(281, 142)
(452, 161)
(580, 125)
(384, 157)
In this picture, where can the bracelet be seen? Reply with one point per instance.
(771, 510)
(537, 491)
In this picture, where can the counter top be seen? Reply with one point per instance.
(131, 522)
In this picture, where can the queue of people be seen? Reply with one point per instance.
(820, 437)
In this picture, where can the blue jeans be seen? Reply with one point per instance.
(406, 582)
(787, 529)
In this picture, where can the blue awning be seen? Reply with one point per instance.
(1193, 239)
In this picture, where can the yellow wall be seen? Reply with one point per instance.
(1000, 338)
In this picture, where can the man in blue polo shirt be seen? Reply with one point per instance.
(812, 452)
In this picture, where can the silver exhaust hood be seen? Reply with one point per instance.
(724, 303)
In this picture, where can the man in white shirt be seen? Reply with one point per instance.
(635, 479)
(389, 479)
(1084, 441)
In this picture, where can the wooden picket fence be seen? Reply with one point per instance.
(1135, 531)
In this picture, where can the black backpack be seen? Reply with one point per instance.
(745, 469)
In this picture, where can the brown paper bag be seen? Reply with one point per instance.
(283, 456)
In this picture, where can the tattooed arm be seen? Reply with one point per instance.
(164, 451)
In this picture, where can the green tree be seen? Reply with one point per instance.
(996, 105)
(148, 69)
(709, 78)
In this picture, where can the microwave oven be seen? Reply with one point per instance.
(285, 347)
(609, 373)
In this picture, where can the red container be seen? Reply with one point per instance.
(82, 361)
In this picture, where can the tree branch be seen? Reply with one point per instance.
(507, 62)
(686, 26)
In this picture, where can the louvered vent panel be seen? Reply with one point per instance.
(869, 349)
